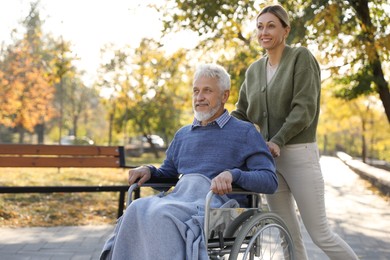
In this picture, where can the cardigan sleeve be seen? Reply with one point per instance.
(241, 105)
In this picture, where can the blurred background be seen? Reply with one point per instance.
(119, 72)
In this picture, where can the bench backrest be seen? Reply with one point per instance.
(25, 155)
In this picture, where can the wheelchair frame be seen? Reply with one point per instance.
(254, 234)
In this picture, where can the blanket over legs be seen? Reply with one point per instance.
(165, 226)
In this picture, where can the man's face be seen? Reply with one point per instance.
(208, 99)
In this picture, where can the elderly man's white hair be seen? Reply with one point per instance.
(212, 70)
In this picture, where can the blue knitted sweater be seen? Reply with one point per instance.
(237, 147)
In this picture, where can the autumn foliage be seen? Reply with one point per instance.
(26, 93)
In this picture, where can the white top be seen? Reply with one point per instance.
(271, 71)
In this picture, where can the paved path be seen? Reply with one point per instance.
(355, 212)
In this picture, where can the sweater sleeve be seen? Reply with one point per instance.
(168, 167)
(259, 175)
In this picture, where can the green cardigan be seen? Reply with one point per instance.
(286, 109)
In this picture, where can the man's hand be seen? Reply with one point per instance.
(142, 173)
(222, 183)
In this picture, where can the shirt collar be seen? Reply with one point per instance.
(220, 121)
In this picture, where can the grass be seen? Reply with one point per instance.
(58, 209)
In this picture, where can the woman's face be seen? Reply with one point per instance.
(270, 32)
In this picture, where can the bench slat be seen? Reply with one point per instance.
(53, 189)
(26, 149)
(58, 162)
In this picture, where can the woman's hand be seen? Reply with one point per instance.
(274, 149)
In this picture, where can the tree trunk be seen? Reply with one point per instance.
(153, 148)
(363, 13)
(383, 88)
(21, 132)
(75, 125)
(364, 145)
(40, 130)
(111, 124)
(325, 149)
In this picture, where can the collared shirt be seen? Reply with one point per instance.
(220, 121)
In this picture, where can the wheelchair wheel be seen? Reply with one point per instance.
(233, 228)
(264, 236)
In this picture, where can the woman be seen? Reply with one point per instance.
(281, 94)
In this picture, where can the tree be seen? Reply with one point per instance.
(334, 121)
(353, 36)
(225, 31)
(111, 74)
(26, 92)
(78, 101)
(39, 84)
(62, 72)
(158, 89)
(362, 25)
(358, 127)
(147, 89)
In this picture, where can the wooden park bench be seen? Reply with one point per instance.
(60, 156)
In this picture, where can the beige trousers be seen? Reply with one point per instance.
(301, 182)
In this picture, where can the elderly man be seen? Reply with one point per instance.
(212, 153)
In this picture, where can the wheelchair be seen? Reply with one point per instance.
(238, 233)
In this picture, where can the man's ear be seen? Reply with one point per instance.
(225, 96)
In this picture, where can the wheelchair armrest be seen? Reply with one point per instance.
(155, 181)
(161, 184)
